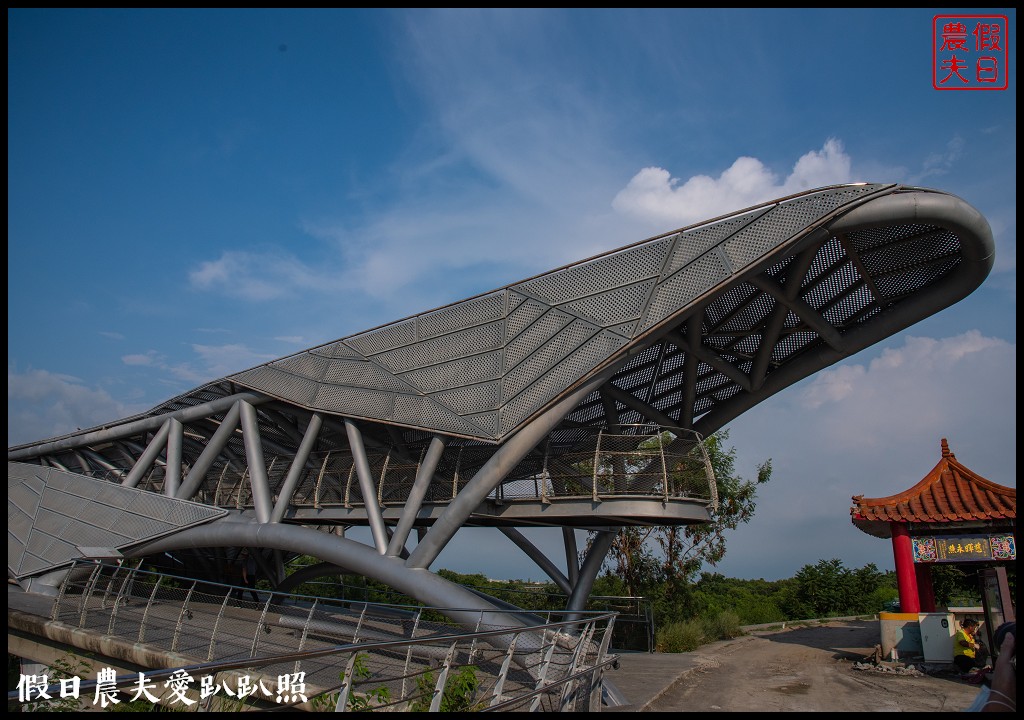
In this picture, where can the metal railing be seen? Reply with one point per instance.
(352, 655)
(631, 461)
(634, 615)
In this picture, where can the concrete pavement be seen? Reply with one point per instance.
(642, 677)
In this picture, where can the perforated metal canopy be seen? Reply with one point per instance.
(481, 367)
(55, 517)
(702, 322)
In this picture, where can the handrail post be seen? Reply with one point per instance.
(581, 648)
(261, 625)
(121, 598)
(442, 679)
(55, 613)
(545, 664)
(149, 605)
(181, 617)
(408, 653)
(305, 630)
(216, 624)
(319, 479)
(499, 684)
(346, 683)
(90, 588)
(596, 678)
(664, 468)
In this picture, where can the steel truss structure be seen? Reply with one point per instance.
(576, 399)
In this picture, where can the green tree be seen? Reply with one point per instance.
(664, 560)
(822, 588)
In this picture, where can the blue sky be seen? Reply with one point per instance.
(195, 192)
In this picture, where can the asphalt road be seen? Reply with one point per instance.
(810, 669)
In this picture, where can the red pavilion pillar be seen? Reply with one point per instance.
(925, 589)
(906, 576)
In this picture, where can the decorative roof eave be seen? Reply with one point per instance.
(950, 493)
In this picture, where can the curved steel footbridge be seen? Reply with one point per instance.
(574, 399)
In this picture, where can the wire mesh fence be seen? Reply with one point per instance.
(350, 655)
(637, 461)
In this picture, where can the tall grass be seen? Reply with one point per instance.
(688, 635)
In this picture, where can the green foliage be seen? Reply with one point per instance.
(829, 589)
(358, 701)
(688, 635)
(953, 585)
(459, 694)
(661, 562)
(723, 626)
(680, 636)
(65, 667)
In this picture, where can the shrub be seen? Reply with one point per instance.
(683, 636)
(724, 626)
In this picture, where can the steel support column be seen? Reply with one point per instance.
(157, 445)
(214, 445)
(257, 467)
(494, 471)
(366, 487)
(172, 473)
(534, 553)
(588, 573)
(424, 474)
(284, 497)
(572, 560)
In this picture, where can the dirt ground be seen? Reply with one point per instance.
(810, 669)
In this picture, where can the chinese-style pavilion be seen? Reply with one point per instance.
(952, 515)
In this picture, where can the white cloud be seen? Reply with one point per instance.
(143, 359)
(211, 362)
(834, 385)
(221, 360)
(926, 387)
(257, 276)
(872, 428)
(42, 404)
(653, 194)
(940, 163)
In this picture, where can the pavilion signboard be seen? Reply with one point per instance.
(964, 548)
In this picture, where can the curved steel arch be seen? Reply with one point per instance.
(426, 422)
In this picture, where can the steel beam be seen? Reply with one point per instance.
(357, 558)
(213, 449)
(534, 553)
(157, 445)
(631, 401)
(710, 357)
(424, 474)
(366, 487)
(257, 467)
(494, 471)
(284, 497)
(135, 427)
(172, 473)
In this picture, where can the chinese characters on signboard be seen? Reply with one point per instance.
(970, 52)
(290, 689)
(964, 548)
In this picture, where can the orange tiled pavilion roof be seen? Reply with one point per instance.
(950, 493)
